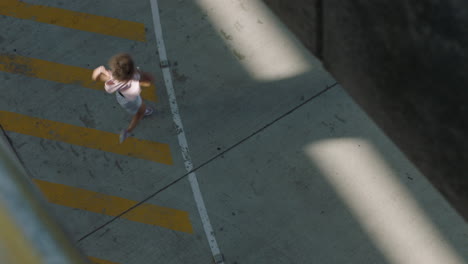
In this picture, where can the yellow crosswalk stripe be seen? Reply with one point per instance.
(57, 72)
(112, 205)
(101, 261)
(86, 137)
(71, 19)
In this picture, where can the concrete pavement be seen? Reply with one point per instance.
(268, 131)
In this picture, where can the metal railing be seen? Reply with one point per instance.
(28, 233)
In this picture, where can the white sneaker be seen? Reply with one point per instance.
(148, 111)
(123, 135)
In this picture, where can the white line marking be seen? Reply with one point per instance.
(181, 136)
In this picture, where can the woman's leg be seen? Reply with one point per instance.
(137, 117)
(141, 112)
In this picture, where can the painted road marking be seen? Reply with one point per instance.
(114, 206)
(209, 232)
(60, 73)
(71, 19)
(101, 261)
(85, 137)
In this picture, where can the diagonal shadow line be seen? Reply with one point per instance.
(210, 160)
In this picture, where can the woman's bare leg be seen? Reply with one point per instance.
(137, 117)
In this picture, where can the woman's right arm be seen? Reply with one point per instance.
(101, 74)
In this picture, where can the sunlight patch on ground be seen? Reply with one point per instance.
(256, 37)
(383, 206)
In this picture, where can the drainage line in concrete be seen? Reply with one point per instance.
(266, 126)
(208, 161)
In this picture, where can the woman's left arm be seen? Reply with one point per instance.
(146, 79)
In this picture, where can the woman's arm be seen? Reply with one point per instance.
(146, 79)
(101, 74)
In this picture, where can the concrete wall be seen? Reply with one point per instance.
(406, 64)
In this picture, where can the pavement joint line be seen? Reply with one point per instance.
(207, 162)
(192, 177)
(194, 169)
(264, 127)
(131, 208)
(210, 160)
(75, 20)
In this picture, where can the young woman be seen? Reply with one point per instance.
(125, 80)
